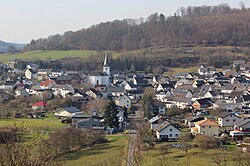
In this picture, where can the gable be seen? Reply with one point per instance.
(167, 130)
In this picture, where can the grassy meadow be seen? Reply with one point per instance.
(47, 123)
(106, 154)
(195, 157)
(42, 55)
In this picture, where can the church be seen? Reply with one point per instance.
(101, 77)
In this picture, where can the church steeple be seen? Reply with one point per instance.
(106, 67)
(106, 60)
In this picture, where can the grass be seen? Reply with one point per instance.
(173, 70)
(47, 123)
(106, 154)
(42, 55)
(178, 157)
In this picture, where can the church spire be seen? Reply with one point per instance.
(106, 67)
(106, 61)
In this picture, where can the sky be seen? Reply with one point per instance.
(24, 20)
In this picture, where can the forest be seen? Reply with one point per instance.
(203, 25)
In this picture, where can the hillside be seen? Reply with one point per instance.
(206, 25)
(4, 46)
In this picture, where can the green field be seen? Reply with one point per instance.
(176, 156)
(107, 154)
(41, 55)
(47, 123)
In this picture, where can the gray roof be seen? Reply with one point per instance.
(65, 77)
(241, 123)
(99, 73)
(114, 89)
(71, 109)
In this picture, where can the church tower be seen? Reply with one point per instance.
(106, 67)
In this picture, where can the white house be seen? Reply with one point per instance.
(66, 112)
(30, 74)
(123, 101)
(206, 127)
(63, 90)
(227, 119)
(167, 131)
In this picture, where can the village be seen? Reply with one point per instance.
(212, 102)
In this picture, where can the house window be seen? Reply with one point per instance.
(176, 135)
(234, 120)
(203, 127)
(170, 135)
(171, 130)
(210, 127)
(227, 120)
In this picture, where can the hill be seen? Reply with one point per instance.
(207, 25)
(4, 46)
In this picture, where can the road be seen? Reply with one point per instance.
(133, 135)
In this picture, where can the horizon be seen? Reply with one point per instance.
(25, 20)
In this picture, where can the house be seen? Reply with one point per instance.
(56, 72)
(159, 107)
(129, 86)
(44, 71)
(39, 105)
(156, 121)
(202, 104)
(241, 129)
(47, 84)
(89, 123)
(227, 119)
(21, 92)
(93, 93)
(206, 127)
(113, 92)
(167, 131)
(191, 120)
(63, 90)
(66, 112)
(123, 101)
(206, 71)
(30, 74)
(73, 79)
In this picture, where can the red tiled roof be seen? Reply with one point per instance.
(46, 83)
(206, 122)
(40, 104)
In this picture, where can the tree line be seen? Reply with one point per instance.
(208, 25)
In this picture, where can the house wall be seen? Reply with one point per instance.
(169, 132)
(124, 101)
(196, 106)
(228, 121)
(208, 130)
(63, 114)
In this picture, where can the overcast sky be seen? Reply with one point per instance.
(23, 20)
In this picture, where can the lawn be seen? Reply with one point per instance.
(42, 55)
(173, 70)
(105, 154)
(176, 156)
(48, 123)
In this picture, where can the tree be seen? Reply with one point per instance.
(11, 49)
(185, 141)
(148, 102)
(110, 115)
(205, 142)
